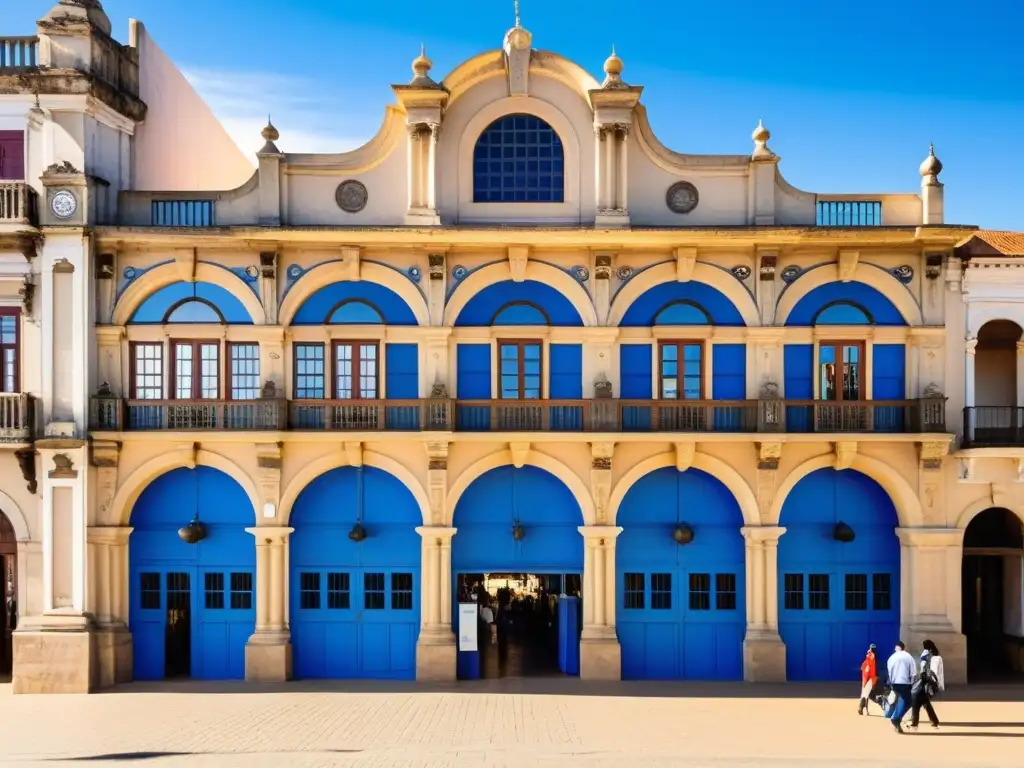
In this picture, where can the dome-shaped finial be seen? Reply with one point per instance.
(761, 135)
(270, 133)
(421, 64)
(613, 67)
(931, 166)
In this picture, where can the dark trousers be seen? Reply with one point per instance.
(899, 709)
(922, 700)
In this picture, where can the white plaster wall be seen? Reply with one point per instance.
(181, 145)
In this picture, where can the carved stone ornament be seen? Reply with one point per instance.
(602, 388)
(601, 462)
(932, 391)
(769, 391)
(269, 391)
(438, 390)
(65, 167)
(933, 265)
(603, 267)
(768, 265)
(27, 464)
(682, 197)
(351, 196)
(437, 464)
(436, 263)
(931, 454)
(268, 264)
(62, 467)
(768, 455)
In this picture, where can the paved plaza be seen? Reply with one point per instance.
(508, 723)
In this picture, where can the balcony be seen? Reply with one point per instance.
(17, 417)
(993, 426)
(867, 210)
(18, 204)
(18, 54)
(600, 415)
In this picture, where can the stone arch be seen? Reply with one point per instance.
(503, 458)
(324, 274)
(10, 509)
(904, 498)
(484, 277)
(716, 278)
(974, 509)
(340, 459)
(879, 279)
(981, 314)
(166, 274)
(128, 493)
(717, 468)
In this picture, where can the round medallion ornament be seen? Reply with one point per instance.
(351, 196)
(682, 197)
(459, 272)
(624, 273)
(581, 273)
(63, 204)
(742, 272)
(904, 273)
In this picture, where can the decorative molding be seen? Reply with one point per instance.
(932, 453)
(518, 258)
(105, 453)
(580, 273)
(933, 265)
(353, 453)
(269, 455)
(686, 261)
(435, 263)
(791, 273)
(351, 263)
(769, 264)
(603, 267)
(520, 454)
(847, 264)
(27, 464)
(624, 273)
(684, 455)
(846, 452)
(268, 265)
(768, 455)
(904, 273)
(459, 272)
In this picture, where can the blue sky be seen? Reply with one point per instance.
(852, 93)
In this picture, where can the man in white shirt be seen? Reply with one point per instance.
(902, 670)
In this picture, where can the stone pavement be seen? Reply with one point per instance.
(540, 724)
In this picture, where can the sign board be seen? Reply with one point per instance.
(467, 626)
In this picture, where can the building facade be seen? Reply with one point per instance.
(281, 420)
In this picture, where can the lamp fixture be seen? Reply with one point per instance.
(843, 533)
(194, 532)
(518, 532)
(358, 533)
(683, 534)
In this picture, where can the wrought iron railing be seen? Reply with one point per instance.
(111, 413)
(993, 426)
(409, 415)
(182, 213)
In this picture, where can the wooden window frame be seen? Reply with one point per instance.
(14, 312)
(680, 344)
(229, 387)
(133, 382)
(355, 344)
(520, 344)
(196, 344)
(838, 346)
(296, 374)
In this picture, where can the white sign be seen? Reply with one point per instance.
(467, 626)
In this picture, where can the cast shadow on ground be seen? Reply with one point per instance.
(133, 756)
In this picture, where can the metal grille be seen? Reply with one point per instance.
(661, 591)
(182, 213)
(856, 591)
(373, 591)
(725, 591)
(213, 589)
(519, 159)
(793, 591)
(849, 213)
(309, 591)
(149, 591)
(338, 591)
(633, 591)
(241, 591)
(881, 591)
(700, 591)
(401, 591)
(817, 592)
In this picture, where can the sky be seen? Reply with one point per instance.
(852, 92)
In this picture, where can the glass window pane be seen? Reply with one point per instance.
(309, 372)
(245, 371)
(519, 140)
(149, 380)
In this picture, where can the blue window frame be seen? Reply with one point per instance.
(519, 159)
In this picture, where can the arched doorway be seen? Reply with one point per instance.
(993, 419)
(9, 575)
(992, 602)
(681, 602)
(837, 594)
(192, 604)
(355, 576)
(518, 547)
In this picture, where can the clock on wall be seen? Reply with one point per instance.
(63, 204)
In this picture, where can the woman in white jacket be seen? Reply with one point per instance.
(921, 695)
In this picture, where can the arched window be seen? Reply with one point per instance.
(355, 312)
(682, 313)
(843, 313)
(193, 311)
(520, 313)
(519, 159)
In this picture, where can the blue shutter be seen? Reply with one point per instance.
(635, 384)
(888, 382)
(473, 382)
(566, 363)
(729, 382)
(402, 371)
(798, 373)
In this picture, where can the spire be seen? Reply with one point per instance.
(420, 68)
(270, 134)
(761, 135)
(516, 5)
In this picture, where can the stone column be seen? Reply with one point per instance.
(108, 602)
(436, 648)
(600, 653)
(970, 348)
(930, 600)
(268, 654)
(1020, 374)
(764, 654)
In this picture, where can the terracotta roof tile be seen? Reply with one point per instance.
(990, 242)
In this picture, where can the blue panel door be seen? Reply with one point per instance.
(402, 382)
(355, 623)
(837, 598)
(798, 375)
(888, 382)
(473, 382)
(680, 609)
(729, 382)
(635, 383)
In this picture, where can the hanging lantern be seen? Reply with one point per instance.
(192, 533)
(358, 533)
(843, 533)
(683, 534)
(518, 532)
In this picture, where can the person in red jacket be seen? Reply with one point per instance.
(868, 678)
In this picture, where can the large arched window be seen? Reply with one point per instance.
(519, 159)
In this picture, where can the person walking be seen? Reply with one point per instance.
(868, 678)
(930, 681)
(902, 672)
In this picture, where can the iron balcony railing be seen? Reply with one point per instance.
(993, 426)
(597, 415)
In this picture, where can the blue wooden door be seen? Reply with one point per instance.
(680, 609)
(836, 598)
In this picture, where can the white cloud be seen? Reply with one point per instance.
(307, 121)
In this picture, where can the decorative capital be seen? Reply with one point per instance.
(685, 453)
(603, 266)
(601, 455)
(62, 468)
(268, 264)
(269, 455)
(970, 344)
(520, 454)
(435, 263)
(768, 455)
(931, 454)
(105, 453)
(768, 266)
(762, 533)
(846, 452)
(437, 454)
